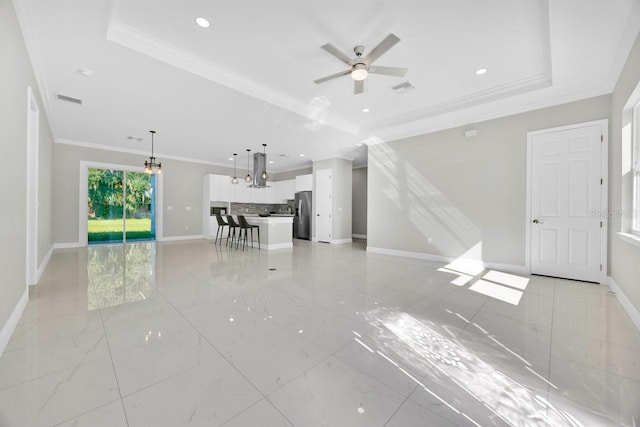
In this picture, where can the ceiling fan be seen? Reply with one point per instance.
(361, 65)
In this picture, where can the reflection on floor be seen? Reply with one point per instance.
(188, 333)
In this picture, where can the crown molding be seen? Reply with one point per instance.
(421, 128)
(22, 13)
(629, 36)
(160, 156)
(146, 44)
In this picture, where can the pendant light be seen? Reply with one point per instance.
(248, 177)
(234, 180)
(150, 166)
(264, 174)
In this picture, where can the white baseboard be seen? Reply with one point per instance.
(43, 265)
(359, 236)
(177, 238)
(341, 241)
(12, 322)
(274, 246)
(631, 310)
(510, 268)
(67, 245)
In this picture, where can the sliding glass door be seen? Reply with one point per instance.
(120, 206)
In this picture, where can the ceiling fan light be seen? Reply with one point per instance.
(359, 72)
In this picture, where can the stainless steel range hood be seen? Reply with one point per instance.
(259, 165)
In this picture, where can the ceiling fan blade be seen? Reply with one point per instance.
(332, 76)
(388, 71)
(337, 53)
(382, 48)
(358, 87)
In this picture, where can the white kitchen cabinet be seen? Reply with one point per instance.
(289, 189)
(304, 183)
(283, 190)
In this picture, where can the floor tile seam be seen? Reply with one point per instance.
(56, 317)
(622, 343)
(399, 407)
(303, 373)
(57, 371)
(224, 357)
(113, 367)
(86, 412)
(9, 350)
(357, 368)
(599, 369)
(266, 399)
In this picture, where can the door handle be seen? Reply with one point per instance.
(537, 221)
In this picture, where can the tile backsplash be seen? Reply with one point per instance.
(256, 208)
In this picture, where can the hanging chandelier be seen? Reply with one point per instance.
(264, 174)
(150, 166)
(248, 177)
(234, 180)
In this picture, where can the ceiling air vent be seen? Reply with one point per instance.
(69, 99)
(403, 87)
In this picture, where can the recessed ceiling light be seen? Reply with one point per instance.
(270, 162)
(301, 155)
(481, 71)
(231, 158)
(365, 110)
(202, 22)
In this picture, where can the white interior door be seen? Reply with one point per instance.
(324, 205)
(566, 197)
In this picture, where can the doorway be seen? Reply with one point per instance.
(121, 206)
(324, 205)
(567, 201)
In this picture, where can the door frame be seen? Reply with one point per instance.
(84, 189)
(322, 172)
(33, 176)
(604, 203)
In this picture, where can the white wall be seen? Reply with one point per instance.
(447, 195)
(182, 187)
(624, 267)
(16, 74)
(359, 202)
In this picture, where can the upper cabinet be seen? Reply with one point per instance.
(304, 183)
(218, 188)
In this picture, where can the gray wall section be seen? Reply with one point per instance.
(444, 194)
(16, 75)
(623, 256)
(359, 202)
(182, 187)
(283, 176)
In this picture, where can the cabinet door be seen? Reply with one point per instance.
(224, 183)
(289, 190)
(277, 192)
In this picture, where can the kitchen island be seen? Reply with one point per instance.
(276, 231)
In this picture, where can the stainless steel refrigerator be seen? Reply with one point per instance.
(302, 217)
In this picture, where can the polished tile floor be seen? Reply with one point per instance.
(190, 334)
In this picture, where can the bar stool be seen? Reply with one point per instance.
(221, 225)
(244, 225)
(232, 226)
